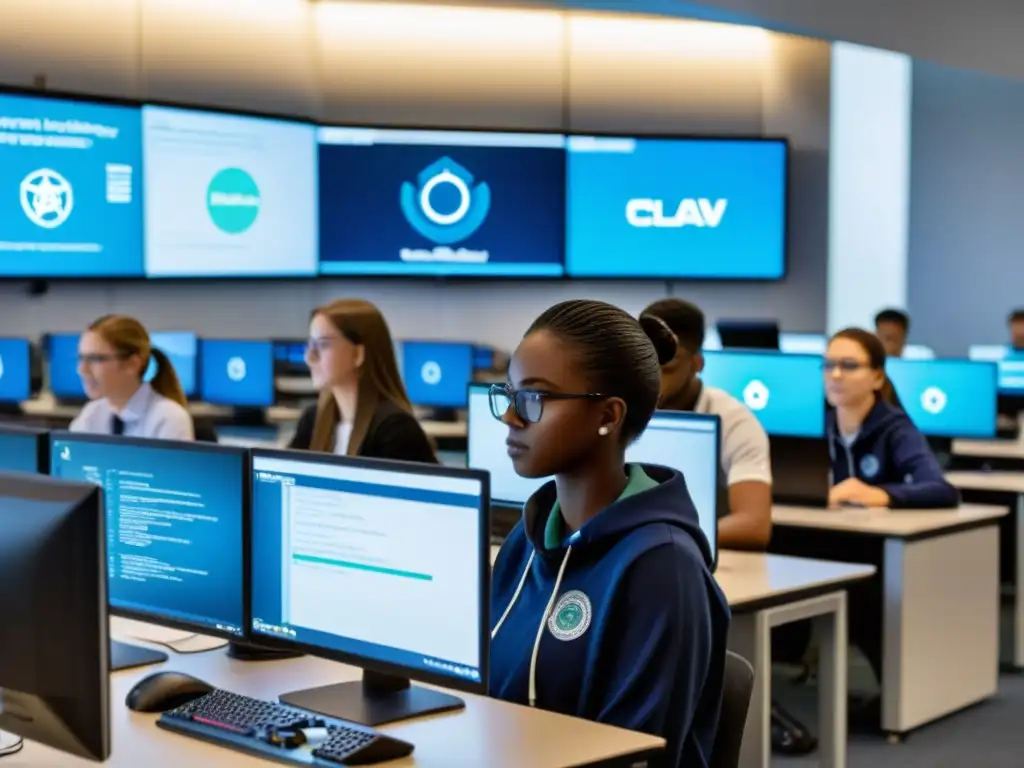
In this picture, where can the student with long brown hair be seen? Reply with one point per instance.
(363, 409)
(113, 355)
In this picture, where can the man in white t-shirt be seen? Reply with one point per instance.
(745, 457)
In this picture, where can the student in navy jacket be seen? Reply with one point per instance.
(602, 601)
(879, 458)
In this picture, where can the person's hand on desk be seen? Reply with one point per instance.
(855, 492)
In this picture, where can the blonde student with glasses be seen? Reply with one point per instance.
(113, 355)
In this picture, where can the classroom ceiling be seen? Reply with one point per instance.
(983, 35)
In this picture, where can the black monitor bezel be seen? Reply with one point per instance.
(993, 364)
(42, 440)
(201, 394)
(153, 617)
(374, 665)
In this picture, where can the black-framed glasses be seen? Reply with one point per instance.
(527, 403)
(846, 366)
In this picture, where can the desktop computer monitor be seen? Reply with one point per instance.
(23, 449)
(290, 357)
(177, 531)
(237, 373)
(15, 370)
(54, 682)
(380, 564)
(687, 442)
(62, 363)
(947, 398)
(785, 392)
(436, 372)
(748, 334)
(182, 349)
(1010, 362)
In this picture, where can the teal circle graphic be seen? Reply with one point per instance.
(233, 200)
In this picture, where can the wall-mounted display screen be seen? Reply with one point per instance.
(70, 197)
(676, 208)
(396, 202)
(228, 195)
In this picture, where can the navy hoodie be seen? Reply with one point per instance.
(889, 452)
(621, 622)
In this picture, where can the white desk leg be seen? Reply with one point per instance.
(750, 637)
(1018, 588)
(831, 631)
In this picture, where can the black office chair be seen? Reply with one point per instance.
(732, 720)
(204, 430)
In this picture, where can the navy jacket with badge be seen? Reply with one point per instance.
(621, 622)
(890, 453)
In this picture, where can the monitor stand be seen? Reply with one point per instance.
(125, 656)
(375, 700)
(249, 417)
(252, 652)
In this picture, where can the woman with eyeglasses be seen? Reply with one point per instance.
(602, 599)
(113, 355)
(363, 409)
(879, 458)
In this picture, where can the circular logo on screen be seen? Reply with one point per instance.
(431, 373)
(869, 465)
(233, 200)
(933, 400)
(236, 369)
(571, 616)
(47, 198)
(756, 395)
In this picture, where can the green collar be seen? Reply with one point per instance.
(554, 529)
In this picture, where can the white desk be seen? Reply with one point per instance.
(940, 617)
(487, 733)
(1010, 483)
(989, 449)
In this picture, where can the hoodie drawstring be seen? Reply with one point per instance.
(543, 619)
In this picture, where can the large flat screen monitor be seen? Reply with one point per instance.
(237, 373)
(228, 195)
(947, 398)
(15, 370)
(62, 365)
(785, 392)
(176, 528)
(436, 372)
(676, 208)
(687, 442)
(384, 565)
(53, 637)
(1010, 362)
(72, 201)
(459, 203)
(23, 449)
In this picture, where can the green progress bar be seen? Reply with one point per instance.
(362, 567)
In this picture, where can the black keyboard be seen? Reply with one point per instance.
(286, 734)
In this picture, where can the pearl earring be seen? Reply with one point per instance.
(603, 431)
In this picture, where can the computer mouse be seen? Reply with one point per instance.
(164, 691)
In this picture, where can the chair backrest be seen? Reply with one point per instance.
(737, 688)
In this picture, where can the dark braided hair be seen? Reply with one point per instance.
(620, 355)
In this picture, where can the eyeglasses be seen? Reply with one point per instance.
(319, 345)
(98, 359)
(846, 366)
(527, 403)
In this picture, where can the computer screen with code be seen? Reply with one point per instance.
(386, 565)
(175, 529)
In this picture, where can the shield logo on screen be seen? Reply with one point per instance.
(443, 205)
(47, 198)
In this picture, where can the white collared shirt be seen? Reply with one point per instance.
(146, 414)
(746, 455)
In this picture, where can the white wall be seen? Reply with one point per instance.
(430, 65)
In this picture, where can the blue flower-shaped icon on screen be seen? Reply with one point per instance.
(443, 205)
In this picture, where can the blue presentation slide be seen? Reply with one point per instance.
(228, 195)
(71, 200)
(237, 373)
(947, 398)
(15, 356)
(676, 208)
(339, 563)
(436, 373)
(174, 526)
(785, 392)
(62, 364)
(441, 203)
(18, 453)
(181, 348)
